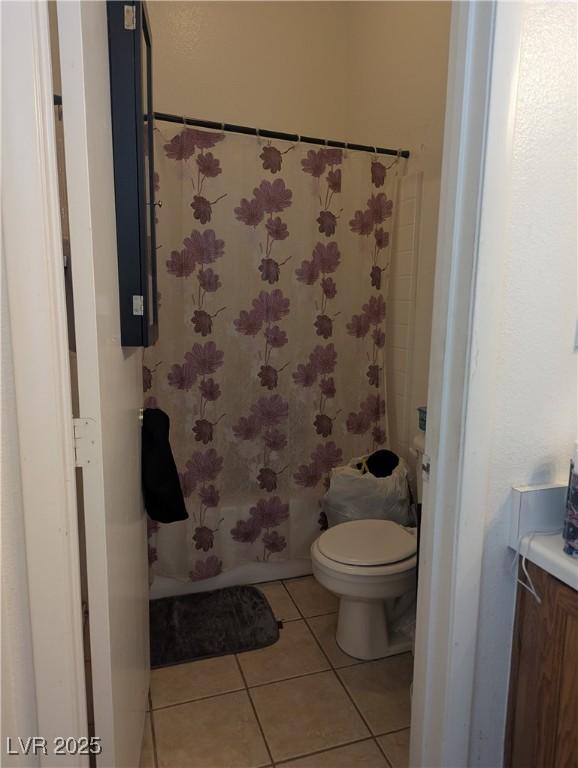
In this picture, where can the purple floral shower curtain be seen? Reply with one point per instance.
(273, 273)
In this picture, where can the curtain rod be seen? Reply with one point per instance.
(268, 134)
(277, 134)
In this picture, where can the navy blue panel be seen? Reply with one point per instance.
(129, 174)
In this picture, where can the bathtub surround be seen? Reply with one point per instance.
(404, 328)
(273, 270)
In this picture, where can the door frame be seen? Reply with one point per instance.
(480, 109)
(32, 246)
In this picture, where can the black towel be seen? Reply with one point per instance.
(161, 487)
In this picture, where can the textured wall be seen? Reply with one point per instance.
(372, 72)
(534, 413)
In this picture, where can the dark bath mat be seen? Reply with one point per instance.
(189, 627)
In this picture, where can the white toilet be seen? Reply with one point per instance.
(367, 564)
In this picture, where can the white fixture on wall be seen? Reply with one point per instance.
(536, 508)
(537, 516)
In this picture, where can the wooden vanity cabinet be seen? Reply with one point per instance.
(542, 730)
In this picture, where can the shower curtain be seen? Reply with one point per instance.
(272, 276)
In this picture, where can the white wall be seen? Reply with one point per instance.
(18, 684)
(528, 253)
(371, 72)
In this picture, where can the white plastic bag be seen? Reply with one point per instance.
(355, 495)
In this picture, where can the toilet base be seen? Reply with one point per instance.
(363, 632)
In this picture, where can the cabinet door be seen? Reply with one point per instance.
(566, 748)
(543, 706)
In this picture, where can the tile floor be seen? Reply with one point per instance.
(301, 703)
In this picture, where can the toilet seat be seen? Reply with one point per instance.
(359, 573)
(367, 544)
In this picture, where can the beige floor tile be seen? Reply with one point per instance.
(324, 628)
(296, 653)
(381, 691)
(363, 754)
(186, 682)
(284, 609)
(306, 714)
(311, 598)
(221, 732)
(396, 747)
(147, 759)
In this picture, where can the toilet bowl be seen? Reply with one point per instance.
(368, 565)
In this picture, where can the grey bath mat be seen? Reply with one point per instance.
(230, 620)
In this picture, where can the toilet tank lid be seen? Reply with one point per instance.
(368, 542)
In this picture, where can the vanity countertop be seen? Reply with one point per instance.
(546, 551)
